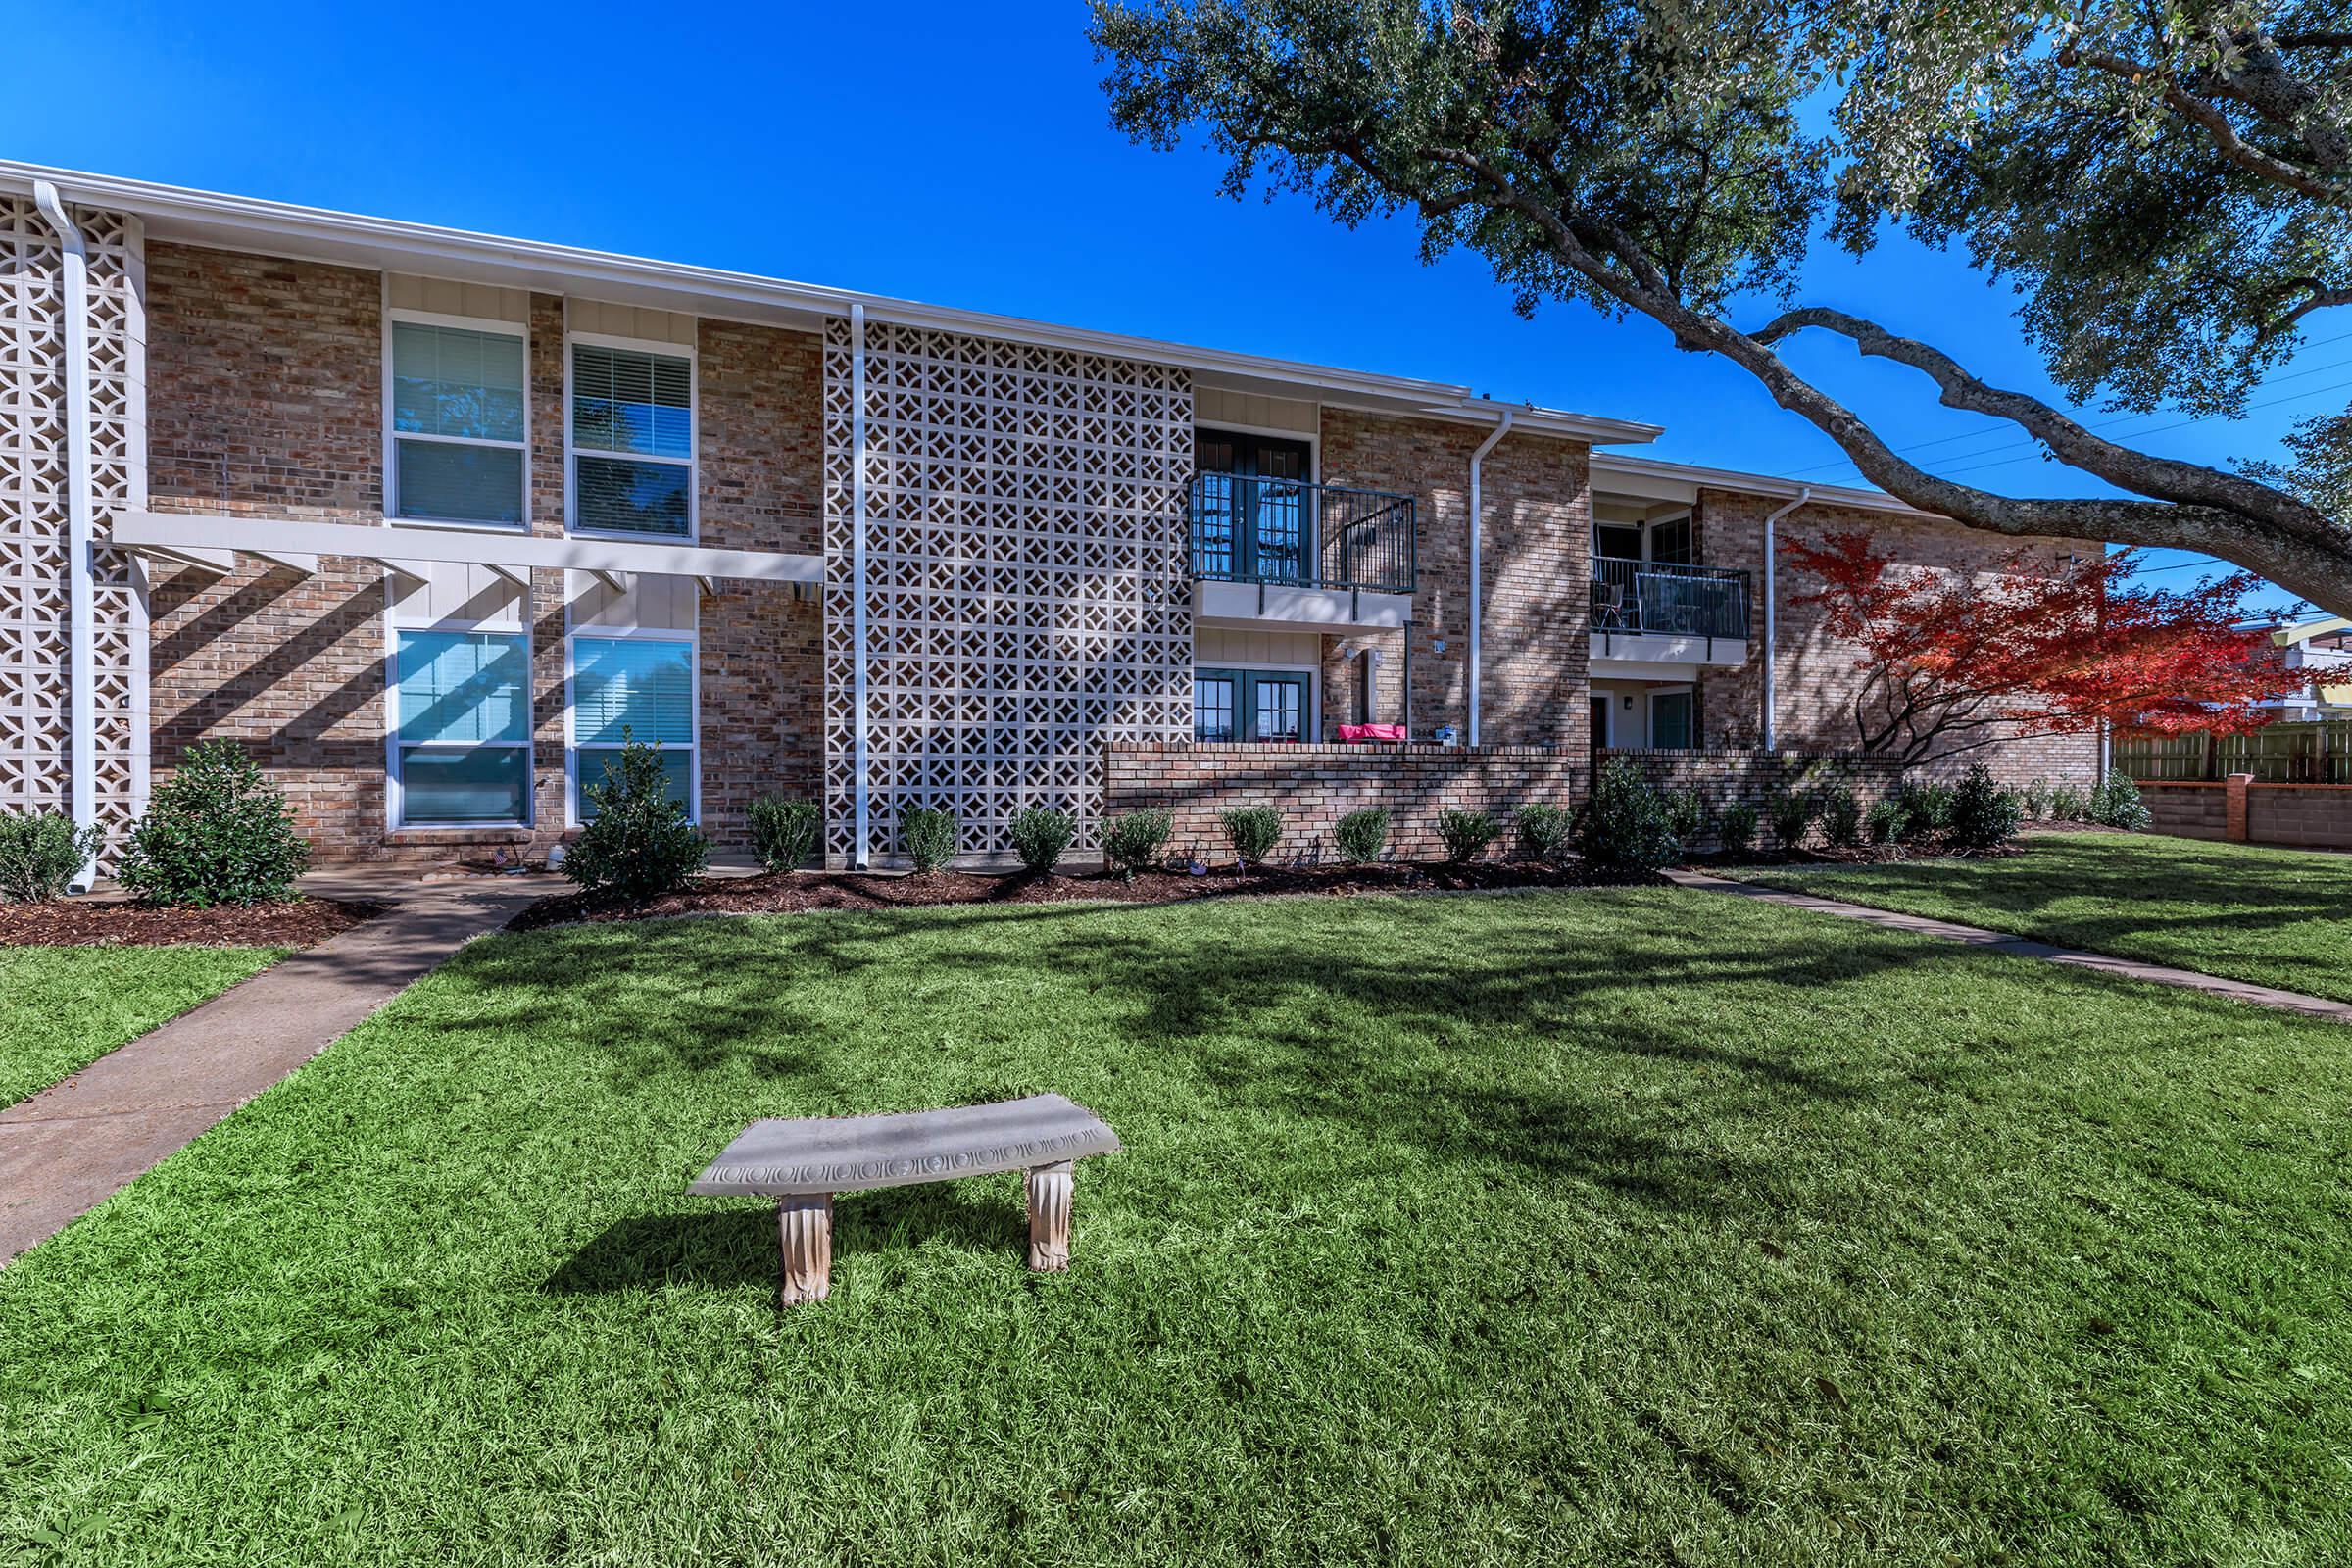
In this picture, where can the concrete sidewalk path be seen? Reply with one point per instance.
(69, 1147)
(2027, 948)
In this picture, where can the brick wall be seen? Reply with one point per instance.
(1815, 671)
(2312, 815)
(1316, 785)
(1724, 775)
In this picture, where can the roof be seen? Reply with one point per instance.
(311, 233)
(1654, 477)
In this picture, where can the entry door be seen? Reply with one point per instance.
(1250, 704)
(1601, 722)
(1258, 528)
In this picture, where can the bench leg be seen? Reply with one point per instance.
(805, 1224)
(1050, 1216)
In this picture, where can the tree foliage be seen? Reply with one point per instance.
(1951, 661)
(2167, 187)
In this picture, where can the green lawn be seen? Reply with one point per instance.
(1630, 1226)
(61, 1008)
(2277, 917)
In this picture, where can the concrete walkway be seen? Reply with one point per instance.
(69, 1147)
(2028, 948)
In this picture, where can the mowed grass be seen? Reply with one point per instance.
(1631, 1226)
(61, 1008)
(2277, 917)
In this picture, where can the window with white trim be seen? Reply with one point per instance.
(458, 424)
(633, 441)
(462, 751)
(632, 689)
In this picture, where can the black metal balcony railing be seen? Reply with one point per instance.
(1291, 533)
(1659, 599)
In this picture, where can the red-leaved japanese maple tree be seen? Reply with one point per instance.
(1954, 660)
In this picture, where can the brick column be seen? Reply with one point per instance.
(2236, 832)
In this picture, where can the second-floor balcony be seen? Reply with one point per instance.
(1668, 611)
(1290, 552)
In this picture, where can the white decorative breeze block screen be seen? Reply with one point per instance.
(34, 735)
(1027, 597)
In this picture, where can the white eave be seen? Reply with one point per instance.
(380, 244)
(1655, 479)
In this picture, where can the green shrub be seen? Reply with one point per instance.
(785, 833)
(2116, 803)
(41, 854)
(1544, 831)
(1926, 809)
(2034, 801)
(928, 835)
(1465, 834)
(639, 844)
(1361, 835)
(1135, 842)
(1985, 815)
(1736, 827)
(1252, 831)
(2068, 803)
(1625, 826)
(1686, 815)
(1790, 813)
(1039, 836)
(1841, 813)
(217, 832)
(1887, 821)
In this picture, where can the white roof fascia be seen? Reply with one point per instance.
(278, 229)
(1655, 478)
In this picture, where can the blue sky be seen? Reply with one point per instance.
(960, 154)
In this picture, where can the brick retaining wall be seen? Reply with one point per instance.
(2189, 810)
(1316, 785)
(2316, 817)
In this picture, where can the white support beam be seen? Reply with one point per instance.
(617, 581)
(402, 566)
(220, 562)
(707, 583)
(292, 559)
(520, 576)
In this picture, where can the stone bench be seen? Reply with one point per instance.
(802, 1162)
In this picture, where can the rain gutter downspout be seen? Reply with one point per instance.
(1502, 427)
(1804, 493)
(81, 659)
(861, 729)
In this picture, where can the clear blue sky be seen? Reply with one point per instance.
(960, 154)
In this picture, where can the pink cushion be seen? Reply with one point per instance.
(1371, 732)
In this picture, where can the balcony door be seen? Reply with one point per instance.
(1253, 705)
(1257, 527)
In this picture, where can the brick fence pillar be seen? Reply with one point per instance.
(2236, 832)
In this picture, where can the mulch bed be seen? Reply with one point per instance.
(791, 892)
(86, 923)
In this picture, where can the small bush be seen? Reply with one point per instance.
(639, 844)
(1135, 842)
(1465, 834)
(1252, 831)
(1887, 821)
(1362, 835)
(2034, 801)
(1544, 831)
(785, 833)
(928, 835)
(1039, 836)
(1736, 828)
(2068, 803)
(1926, 809)
(1840, 814)
(40, 854)
(1686, 815)
(1625, 825)
(217, 832)
(2116, 803)
(1790, 813)
(1985, 815)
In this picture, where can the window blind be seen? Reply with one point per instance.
(627, 400)
(636, 684)
(464, 688)
(447, 380)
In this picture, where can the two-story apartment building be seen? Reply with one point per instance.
(429, 520)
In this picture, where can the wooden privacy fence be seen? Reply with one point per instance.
(2311, 753)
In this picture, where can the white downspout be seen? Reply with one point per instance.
(861, 709)
(1478, 592)
(82, 657)
(1804, 493)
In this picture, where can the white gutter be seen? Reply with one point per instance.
(860, 723)
(81, 645)
(1478, 592)
(1804, 493)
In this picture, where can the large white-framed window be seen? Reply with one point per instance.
(629, 412)
(634, 685)
(460, 748)
(457, 420)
